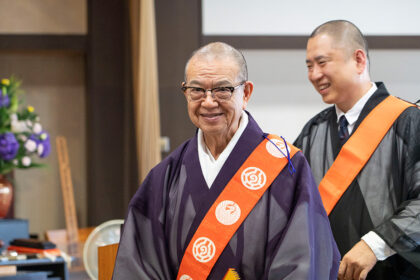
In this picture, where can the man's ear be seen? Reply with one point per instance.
(361, 60)
(248, 88)
(182, 85)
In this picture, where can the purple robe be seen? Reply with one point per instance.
(286, 236)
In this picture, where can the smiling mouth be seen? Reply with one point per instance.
(211, 116)
(323, 87)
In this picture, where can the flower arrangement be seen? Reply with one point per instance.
(21, 134)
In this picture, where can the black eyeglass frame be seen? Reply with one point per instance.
(212, 93)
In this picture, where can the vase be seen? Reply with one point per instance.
(6, 195)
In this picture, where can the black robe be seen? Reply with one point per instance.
(384, 197)
(286, 236)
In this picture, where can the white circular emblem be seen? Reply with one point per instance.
(203, 249)
(274, 151)
(228, 212)
(185, 277)
(253, 178)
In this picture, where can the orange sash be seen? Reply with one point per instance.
(232, 206)
(358, 149)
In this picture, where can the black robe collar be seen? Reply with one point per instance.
(377, 97)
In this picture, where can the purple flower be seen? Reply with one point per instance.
(4, 99)
(8, 146)
(43, 143)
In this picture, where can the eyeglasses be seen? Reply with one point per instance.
(217, 93)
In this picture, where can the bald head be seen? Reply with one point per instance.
(219, 51)
(345, 34)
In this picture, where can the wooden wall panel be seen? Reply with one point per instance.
(111, 150)
(178, 25)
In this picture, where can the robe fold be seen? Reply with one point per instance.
(385, 195)
(286, 236)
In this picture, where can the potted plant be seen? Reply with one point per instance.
(21, 138)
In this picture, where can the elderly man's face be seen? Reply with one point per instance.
(331, 70)
(216, 118)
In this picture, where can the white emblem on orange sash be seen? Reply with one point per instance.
(253, 178)
(203, 249)
(228, 212)
(275, 151)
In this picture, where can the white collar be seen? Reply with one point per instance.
(353, 114)
(210, 166)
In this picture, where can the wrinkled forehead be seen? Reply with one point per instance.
(216, 67)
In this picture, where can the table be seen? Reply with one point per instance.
(38, 269)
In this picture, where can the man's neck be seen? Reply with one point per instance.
(217, 143)
(358, 93)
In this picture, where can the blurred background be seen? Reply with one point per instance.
(84, 64)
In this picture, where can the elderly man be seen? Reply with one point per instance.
(365, 154)
(230, 202)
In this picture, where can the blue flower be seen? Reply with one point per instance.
(8, 146)
(4, 99)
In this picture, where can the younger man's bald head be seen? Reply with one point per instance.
(345, 34)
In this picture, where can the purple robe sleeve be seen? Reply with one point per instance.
(142, 252)
(305, 249)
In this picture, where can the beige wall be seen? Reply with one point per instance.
(54, 85)
(43, 17)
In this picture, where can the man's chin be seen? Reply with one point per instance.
(211, 130)
(327, 99)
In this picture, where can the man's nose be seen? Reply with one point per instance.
(208, 99)
(315, 74)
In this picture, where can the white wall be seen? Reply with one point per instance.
(284, 100)
(300, 17)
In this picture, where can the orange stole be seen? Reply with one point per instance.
(232, 206)
(358, 149)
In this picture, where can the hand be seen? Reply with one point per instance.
(357, 262)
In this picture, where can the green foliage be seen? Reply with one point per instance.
(21, 134)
